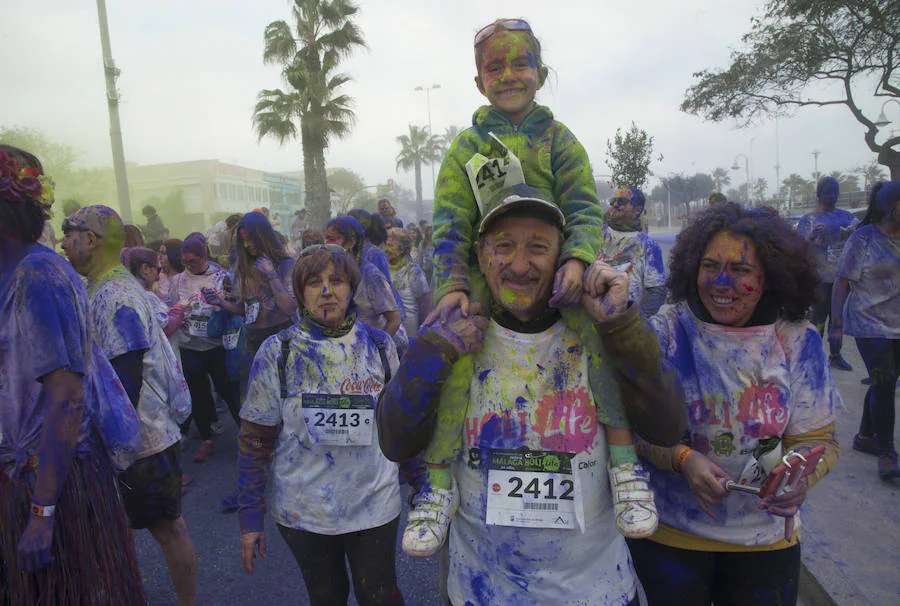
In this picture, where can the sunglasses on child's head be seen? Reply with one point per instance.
(519, 25)
(332, 248)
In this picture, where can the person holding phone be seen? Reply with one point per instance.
(757, 385)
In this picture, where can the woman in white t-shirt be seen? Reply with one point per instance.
(309, 415)
(757, 385)
(866, 305)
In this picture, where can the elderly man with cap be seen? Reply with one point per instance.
(536, 518)
(131, 334)
(828, 228)
(202, 356)
(628, 248)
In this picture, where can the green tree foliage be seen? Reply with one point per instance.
(417, 148)
(721, 178)
(682, 190)
(310, 53)
(803, 53)
(448, 136)
(58, 159)
(349, 191)
(628, 157)
(871, 173)
(798, 189)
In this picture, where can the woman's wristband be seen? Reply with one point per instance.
(680, 458)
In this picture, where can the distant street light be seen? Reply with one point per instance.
(737, 166)
(428, 90)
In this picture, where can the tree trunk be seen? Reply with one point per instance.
(418, 188)
(318, 203)
(891, 159)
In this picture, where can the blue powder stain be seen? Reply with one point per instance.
(500, 432)
(483, 374)
(482, 589)
(128, 324)
(521, 402)
(330, 458)
(812, 350)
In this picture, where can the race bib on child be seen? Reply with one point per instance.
(490, 175)
(251, 310)
(532, 489)
(338, 419)
(230, 338)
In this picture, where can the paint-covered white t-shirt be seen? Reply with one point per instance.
(646, 268)
(410, 282)
(871, 262)
(185, 289)
(745, 389)
(531, 391)
(326, 489)
(125, 321)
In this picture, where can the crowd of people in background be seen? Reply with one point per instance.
(561, 402)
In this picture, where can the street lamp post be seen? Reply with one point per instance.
(736, 166)
(882, 118)
(115, 127)
(428, 90)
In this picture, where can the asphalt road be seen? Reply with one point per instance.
(221, 578)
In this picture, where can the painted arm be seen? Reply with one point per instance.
(392, 321)
(256, 444)
(424, 304)
(654, 403)
(63, 409)
(130, 369)
(283, 300)
(576, 194)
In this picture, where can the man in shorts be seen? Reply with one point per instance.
(133, 338)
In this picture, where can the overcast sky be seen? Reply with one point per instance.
(191, 70)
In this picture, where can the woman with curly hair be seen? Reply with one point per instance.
(757, 385)
(866, 304)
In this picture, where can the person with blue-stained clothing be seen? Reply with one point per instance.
(828, 228)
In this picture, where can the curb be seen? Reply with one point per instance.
(822, 581)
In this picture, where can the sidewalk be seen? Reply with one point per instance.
(851, 520)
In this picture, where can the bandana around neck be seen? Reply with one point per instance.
(327, 331)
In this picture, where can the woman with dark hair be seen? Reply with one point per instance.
(133, 236)
(262, 277)
(758, 386)
(143, 263)
(866, 305)
(170, 264)
(309, 416)
(375, 301)
(65, 537)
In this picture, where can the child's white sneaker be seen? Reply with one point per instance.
(636, 516)
(429, 520)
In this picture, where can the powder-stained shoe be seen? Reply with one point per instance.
(866, 444)
(636, 516)
(838, 361)
(429, 521)
(887, 466)
(206, 448)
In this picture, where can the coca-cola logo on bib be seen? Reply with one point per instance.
(369, 385)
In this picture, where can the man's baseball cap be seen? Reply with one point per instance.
(525, 201)
(99, 219)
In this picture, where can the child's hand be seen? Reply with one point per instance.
(567, 285)
(447, 304)
(464, 333)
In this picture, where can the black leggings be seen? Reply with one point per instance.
(199, 367)
(371, 557)
(699, 578)
(821, 311)
(882, 358)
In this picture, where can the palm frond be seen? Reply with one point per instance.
(280, 43)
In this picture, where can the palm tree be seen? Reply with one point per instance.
(720, 177)
(448, 136)
(872, 173)
(324, 35)
(796, 186)
(416, 148)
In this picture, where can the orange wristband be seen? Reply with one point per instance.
(680, 458)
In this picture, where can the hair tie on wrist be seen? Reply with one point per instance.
(680, 458)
